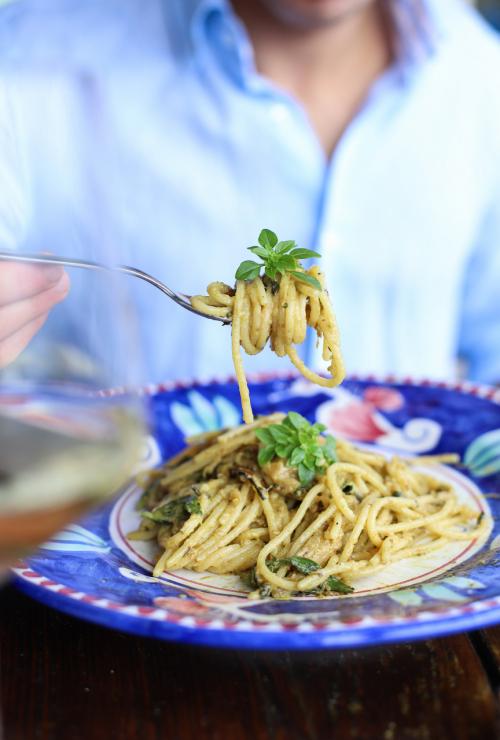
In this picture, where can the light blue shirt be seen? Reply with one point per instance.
(200, 152)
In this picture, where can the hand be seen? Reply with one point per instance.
(27, 293)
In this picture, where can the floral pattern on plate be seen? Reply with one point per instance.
(88, 569)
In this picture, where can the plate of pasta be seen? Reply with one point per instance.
(340, 515)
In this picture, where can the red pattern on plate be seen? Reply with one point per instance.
(146, 612)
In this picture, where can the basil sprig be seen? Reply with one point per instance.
(277, 258)
(298, 441)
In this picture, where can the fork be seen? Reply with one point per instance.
(180, 298)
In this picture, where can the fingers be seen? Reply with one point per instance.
(15, 316)
(18, 281)
(11, 347)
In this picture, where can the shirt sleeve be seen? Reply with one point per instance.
(479, 339)
(13, 200)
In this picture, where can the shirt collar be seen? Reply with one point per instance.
(418, 34)
(215, 28)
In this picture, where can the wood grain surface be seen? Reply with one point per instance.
(66, 679)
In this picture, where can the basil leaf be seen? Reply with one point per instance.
(270, 271)
(193, 506)
(248, 270)
(249, 578)
(268, 239)
(303, 565)
(287, 263)
(330, 449)
(265, 455)
(264, 435)
(297, 420)
(335, 584)
(278, 434)
(274, 564)
(302, 254)
(306, 476)
(260, 251)
(170, 513)
(306, 278)
(174, 511)
(297, 456)
(286, 246)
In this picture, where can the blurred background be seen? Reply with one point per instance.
(172, 132)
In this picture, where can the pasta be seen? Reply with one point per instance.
(227, 505)
(279, 311)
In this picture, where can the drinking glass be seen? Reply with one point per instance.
(70, 423)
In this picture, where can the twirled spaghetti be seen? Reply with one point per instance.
(281, 311)
(215, 508)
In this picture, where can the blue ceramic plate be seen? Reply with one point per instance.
(92, 571)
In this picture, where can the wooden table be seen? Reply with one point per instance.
(64, 679)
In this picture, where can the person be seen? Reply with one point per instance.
(366, 129)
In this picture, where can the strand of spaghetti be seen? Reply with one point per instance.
(256, 533)
(335, 533)
(240, 560)
(310, 374)
(315, 525)
(404, 526)
(226, 523)
(181, 556)
(207, 554)
(444, 531)
(237, 361)
(268, 510)
(371, 476)
(357, 529)
(274, 543)
(396, 504)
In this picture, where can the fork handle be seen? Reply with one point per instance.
(48, 259)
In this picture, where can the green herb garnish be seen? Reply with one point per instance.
(249, 578)
(336, 584)
(298, 441)
(193, 505)
(303, 565)
(332, 583)
(174, 511)
(307, 566)
(148, 496)
(277, 258)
